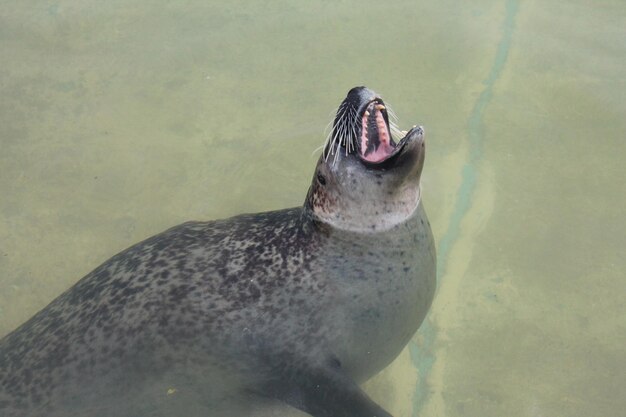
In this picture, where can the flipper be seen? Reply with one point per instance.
(325, 391)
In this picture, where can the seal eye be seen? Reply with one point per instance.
(321, 179)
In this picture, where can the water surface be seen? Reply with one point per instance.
(118, 120)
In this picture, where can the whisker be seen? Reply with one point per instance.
(396, 133)
(341, 131)
(391, 113)
(336, 153)
(316, 150)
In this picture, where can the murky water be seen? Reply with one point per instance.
(119, 119)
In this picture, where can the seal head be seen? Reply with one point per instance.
(366, 180)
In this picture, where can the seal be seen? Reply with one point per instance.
(295, 306)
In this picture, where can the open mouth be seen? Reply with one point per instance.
(375, 143)
(362, 127)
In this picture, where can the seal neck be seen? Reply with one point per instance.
(374, 217)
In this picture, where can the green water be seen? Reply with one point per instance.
(119, 119)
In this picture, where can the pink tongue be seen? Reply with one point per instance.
(384, 148)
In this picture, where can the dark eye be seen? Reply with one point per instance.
(321, 179)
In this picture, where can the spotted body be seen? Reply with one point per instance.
(216, 318)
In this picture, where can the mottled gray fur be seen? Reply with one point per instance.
(213, 318)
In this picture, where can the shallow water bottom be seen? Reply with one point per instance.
(119, 120)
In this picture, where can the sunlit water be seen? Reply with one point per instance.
(119, 119)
